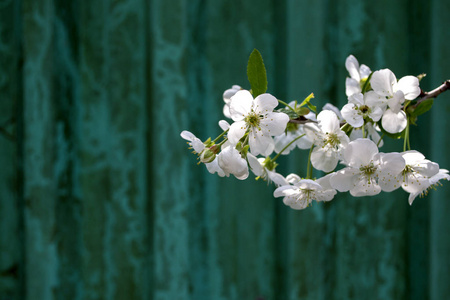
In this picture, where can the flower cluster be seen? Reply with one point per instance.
(378, 106)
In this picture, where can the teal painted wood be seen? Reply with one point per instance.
(116, 207)
(439, 200)
(113, 157)
(40, 149)
(10, 213)
(370, 234)
(309, 236)
(222, 248)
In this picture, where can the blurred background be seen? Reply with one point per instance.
(101, 199)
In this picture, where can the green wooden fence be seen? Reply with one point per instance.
(100, 198)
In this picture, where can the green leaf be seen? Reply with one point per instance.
(256, 73)
(366, 84)
(308, 103)
(302, 111)
(423, 107)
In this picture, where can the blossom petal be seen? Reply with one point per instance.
(236, 132)
(276, 178)
(264, 104)
(372, 100)
(213, 167)
(187, 135)
(230, 93)
(224, 125)
(255, 165)
(352, 87)
(293, 178)
(328, 121)
(308, 184)
(328, 106)
(351, 114)
(231, 162)
(343, 180)
(285, 190)
(275, 122)
(364, 71)
(313, 132)
(352, 66)
(365, 187)
(241, 105)
(382, 82)
(394, 122)
(360, 152)
(409, 85)
(324, 160)
(357, 99)
(388, 182)
(260, 142)
(395, 103)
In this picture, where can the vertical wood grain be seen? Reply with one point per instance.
(439, 199)
(11, 244)
(112, 150)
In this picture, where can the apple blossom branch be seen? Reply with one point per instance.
(422, 97)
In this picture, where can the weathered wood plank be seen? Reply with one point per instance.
(439, 199)
(309, 237)
(11, 245)
(371, 231)
(112, 149)
(40, 151)
(242, 214)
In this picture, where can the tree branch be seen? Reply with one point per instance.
(434, 93)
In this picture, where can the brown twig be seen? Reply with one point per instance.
(434, 93)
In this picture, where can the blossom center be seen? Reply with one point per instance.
(364, 109)
(252, 119)
(368, 171)
(331, 139)
(407, 170)
(306, 194)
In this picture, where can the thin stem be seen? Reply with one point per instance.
(290, 143)
(363, 131)
(406, 139)
(222, 142)
(309, 170)
(379, 141)
(221, 135)
(287, 105)
(409, 145)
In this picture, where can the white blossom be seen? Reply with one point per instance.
(371, 133)
(329, 106)
(385, 84)
(360, 107)
(193, 141)
(261, 169)
(231, 162)
(358, 75)
(329, 141)
(213, 167)
(227, 99)
(257, 117)
(300, 193)
(367, 172)
(431, 183)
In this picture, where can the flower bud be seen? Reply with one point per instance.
(207, 156)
